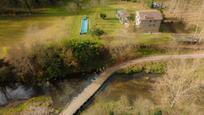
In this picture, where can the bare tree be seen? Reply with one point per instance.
(199, 21)
(180, 87)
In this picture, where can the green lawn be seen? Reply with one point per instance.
(61, 23)
(154, 39)
(109, 25)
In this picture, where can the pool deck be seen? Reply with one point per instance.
(90, 90)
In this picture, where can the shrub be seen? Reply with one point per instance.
(90, 54)
(111, 113)
(131, 70)
(148, 3)
(158, 112)
(52, 63)
(132, 17)
(6, 76)
(149, 67)
(103, 16)
(70, 62)
(97, 32)
(23, 64)
(38, 64)
(155, 67)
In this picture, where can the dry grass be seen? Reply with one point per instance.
(58, 29)
(130, 6)
(122, 107)
(30, 30)
(179, 91)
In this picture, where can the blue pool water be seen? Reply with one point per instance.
(84, 26)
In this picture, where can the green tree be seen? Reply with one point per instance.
(90, 54)
(51, 63)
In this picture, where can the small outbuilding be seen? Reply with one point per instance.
(149, 21)
(123, 16)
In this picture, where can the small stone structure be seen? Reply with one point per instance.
(148, 21)
(123, 16)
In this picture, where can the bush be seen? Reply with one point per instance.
(52, 63)
(90, 54)
(103, 16)
(6, 76)
(23, 63)
(158, 112)
(97, 32)
(132, 17)
(37, 65)
(131, 70)
(149, 67)
(155, 67)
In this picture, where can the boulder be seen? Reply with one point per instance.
(3, 99)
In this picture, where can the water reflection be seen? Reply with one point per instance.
(132, 87)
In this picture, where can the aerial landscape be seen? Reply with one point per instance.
(101, 57)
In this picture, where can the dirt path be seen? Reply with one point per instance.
(89, 91)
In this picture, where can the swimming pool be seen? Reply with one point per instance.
(84, 26)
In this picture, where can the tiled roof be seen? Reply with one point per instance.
(122, 13)
(150, 15)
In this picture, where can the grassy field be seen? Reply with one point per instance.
(56, 23)
(27, 30)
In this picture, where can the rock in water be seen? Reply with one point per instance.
(20, 92)
(3, 99)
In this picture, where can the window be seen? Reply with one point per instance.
(153, 25)
(150, 20)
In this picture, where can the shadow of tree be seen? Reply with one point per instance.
(176, 27)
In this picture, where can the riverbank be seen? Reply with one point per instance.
(185, 74)
(51, 97)
(92, 89)
(121, 92)
(38, 105)
(48, 49)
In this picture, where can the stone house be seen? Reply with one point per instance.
(148, 21)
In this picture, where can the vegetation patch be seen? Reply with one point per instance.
(146, 50)
(97, 32)
(89, 53)
(178, 91)
(149, 67)
(54, 61)
(34, 105)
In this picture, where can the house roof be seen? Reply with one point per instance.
(123, 13)
(150, 15)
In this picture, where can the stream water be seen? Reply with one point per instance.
(16, 92)
(132, 87)
(61, 92)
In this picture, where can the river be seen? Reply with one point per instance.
(62, 92)
(133, 88)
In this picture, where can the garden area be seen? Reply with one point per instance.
(43, 50)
